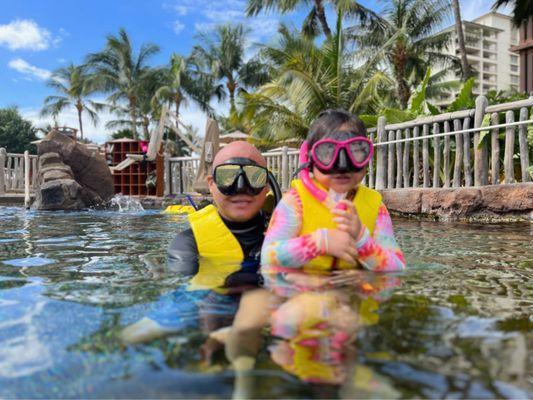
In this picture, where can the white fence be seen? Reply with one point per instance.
(448, 150)
(18, 173)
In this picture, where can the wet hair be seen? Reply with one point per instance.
(329, 121)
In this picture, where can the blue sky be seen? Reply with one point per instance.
(38, 36)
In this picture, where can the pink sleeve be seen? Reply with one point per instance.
(283, 245)
(381, 252)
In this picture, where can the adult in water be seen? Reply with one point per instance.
(220, 249)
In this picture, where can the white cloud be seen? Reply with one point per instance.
(181, 10)
(28, 70)
(24, 34)
(178, 27)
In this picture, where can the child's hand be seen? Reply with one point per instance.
(347, 220)
(341, 244)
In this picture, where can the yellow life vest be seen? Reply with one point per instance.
(220, 253)
(317, 216)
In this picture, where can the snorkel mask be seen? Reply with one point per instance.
(333, 156)
(239, 175)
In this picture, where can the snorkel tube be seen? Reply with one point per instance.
(317, 193)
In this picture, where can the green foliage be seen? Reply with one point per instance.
(484, 133)
(122, 133)
(16, 133)
(465, 99)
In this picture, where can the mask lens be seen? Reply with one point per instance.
(225, 174)
(257, 176)
(324, 152)
(360, 150)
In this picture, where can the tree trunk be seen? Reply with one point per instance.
(322, 17)
(146, 124)
(232, 86)
(399, 59)
(133, 116)
(460, 39)
(79, 107)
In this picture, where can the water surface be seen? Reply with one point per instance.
(458, 324)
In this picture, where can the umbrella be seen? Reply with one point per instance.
(233, 136)
(210, 148)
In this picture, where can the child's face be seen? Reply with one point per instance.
(340, 183)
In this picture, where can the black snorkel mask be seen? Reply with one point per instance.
(239, 175)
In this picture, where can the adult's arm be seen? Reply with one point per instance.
(182, 255)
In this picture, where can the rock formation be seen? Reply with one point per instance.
(71, 176)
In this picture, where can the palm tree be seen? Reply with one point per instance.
(317, 14)
(222, 53)
(183, 81)
(465, 68)
(308, 79)
(522, 9)
(120, 71)
(405, 40)
(75, 85)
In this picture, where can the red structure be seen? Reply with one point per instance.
(131, 181)
(525, 49)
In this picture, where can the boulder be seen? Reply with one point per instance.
(90, 169)
(71, 177)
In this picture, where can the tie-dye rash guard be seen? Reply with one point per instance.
(284, 250)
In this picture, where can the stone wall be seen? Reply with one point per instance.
(495, 202)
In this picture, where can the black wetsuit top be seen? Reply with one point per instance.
(183, 251)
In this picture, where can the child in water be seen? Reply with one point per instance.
(330, 221)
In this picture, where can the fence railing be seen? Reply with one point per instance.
(18, 173)
(474, 147)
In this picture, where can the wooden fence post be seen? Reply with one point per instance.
(425, 155)
(495, 149)
(399, 163)
(509, 148)
(284, 168)
(390, 177)
(167, 175)
(27, 179)
(381, 177)
(3, 156)
(458, 154)
(371, 167)
(522, 140)
(446, 155)
(406, 159)
(436, 156)
(466, 153)
(416, 155)
(481, 161)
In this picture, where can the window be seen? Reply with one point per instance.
(514, 79)
(514, 68)
(514, 59)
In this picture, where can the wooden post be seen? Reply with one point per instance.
(425, 156)
(399, 162)
(495, 149)
(481, 160)
(509, 148)
(522, 141)
(436, 156)
(466, 153)
(167, 174)
(406, 159)
(381, 177)
(284, 168)
(3, 156)
(458, 154)
(416, 155)
(371, 167)
(34, 172)
(447, 155)
(390, 167)
(27, 179)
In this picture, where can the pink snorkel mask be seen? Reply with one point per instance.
(325, 153)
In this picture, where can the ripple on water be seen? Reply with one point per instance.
(29, 262)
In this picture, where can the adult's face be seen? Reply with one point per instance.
(239, 207)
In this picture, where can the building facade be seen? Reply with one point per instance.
(488, 42)
(525, 50)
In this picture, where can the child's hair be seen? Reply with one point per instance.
(329, 121)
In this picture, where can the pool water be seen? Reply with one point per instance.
(456, 324)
